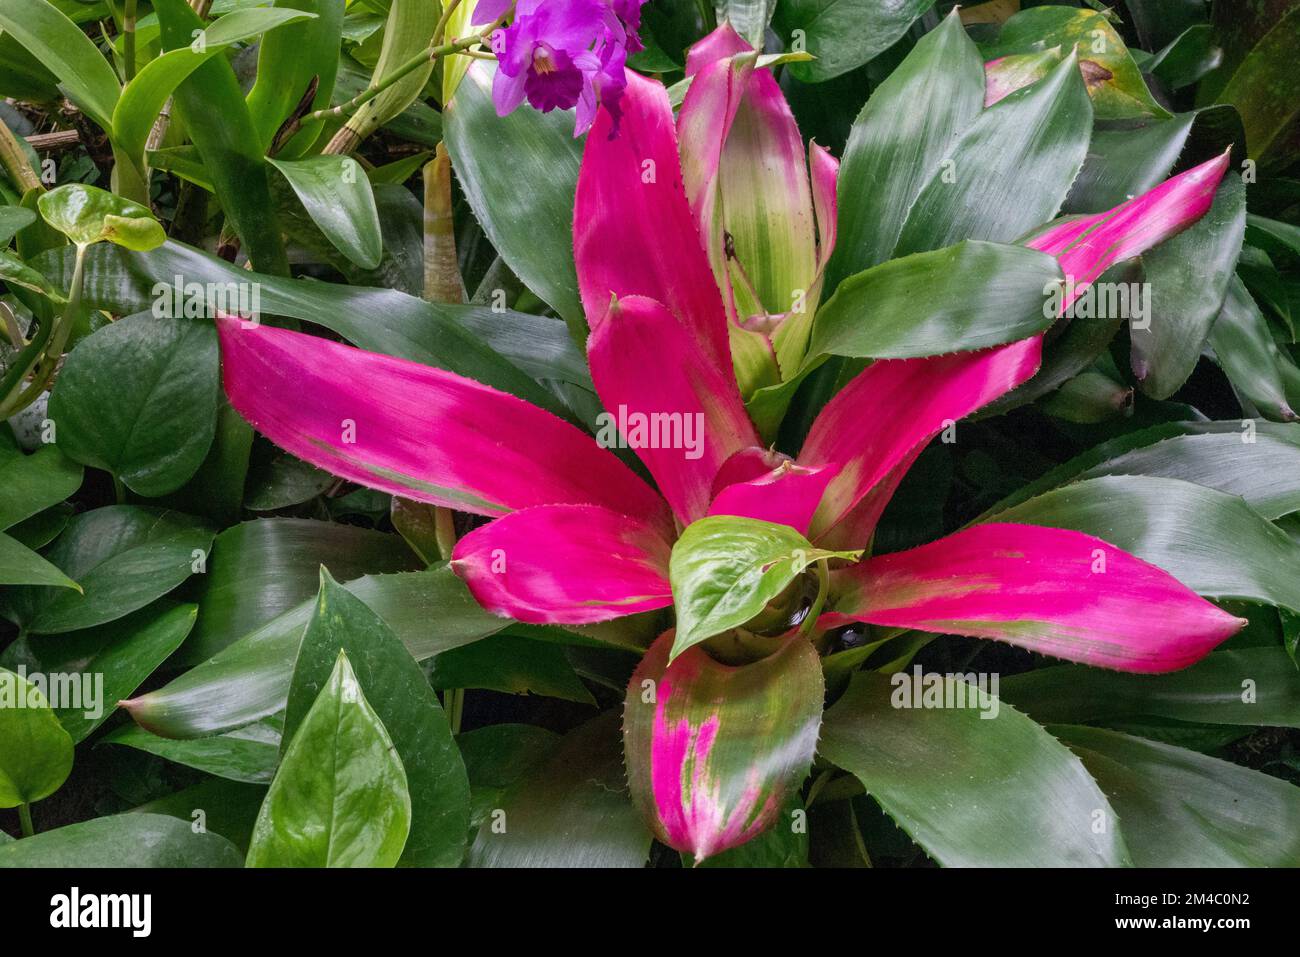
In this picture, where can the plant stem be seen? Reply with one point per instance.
(25, 819)
(823, 589)
(15, 162)
(454, 699)
(128, 41)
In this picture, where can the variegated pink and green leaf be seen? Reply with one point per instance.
(714, 751)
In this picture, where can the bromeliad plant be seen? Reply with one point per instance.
(670, 278)
(631, 403)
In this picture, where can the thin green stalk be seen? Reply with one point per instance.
(25, 819)
(128, 41)
(454, 699)
(14, 160)
(41, 357)
(823, 589)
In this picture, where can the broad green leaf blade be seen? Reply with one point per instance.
(1114, 80)
(35, 751)
(153, 428)
(972, 790)
(498, 756)
(964, 297)
(287, 60)
(430, 611)
(512, 665)
(1188, 276)
(1010, 171)
(536, 187)
(15, 272)
(340, 797)
(70, 55)
(123, 840)
(1183, 809)
(843, 34)
(123, 556)
(893, 148)
(1259, 461)
(1249, 356)
(12, 220)
(32, 483)
(211, 104)
(408, 31)
(715, 752)
(572, 810)
(1186, 58)
(229, 806)
(144, 96)
(1265, 90)
(336, 194)
(87, 214)
(1210, 541)
(102, 666)
(726, 569)
(19, 565)
(1255, 687)
(263, 568)
(404, 702)
(249, 755)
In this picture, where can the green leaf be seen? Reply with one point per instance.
(229, 808)
(408, 31)
(69, 54)
(572, 810)
(123, 840)
(32, 483)
(894, 147)
(737, 742)
(1011, 169)
(1210, 541)
(1264, 88)
(1183, 809)
(19, 565)
(1186, 58)
(973, 791)
(340, 798)
(1249, 356)
(35, 751)
(407, 706)
(725, 570)
(87, 214)
(153, 427)
(1255, 687)
(1188, 276)
(967, 296)
(1114, 80)
(148, 91)
(1259, 461)
(749, 18)
(263, 568)
(12, 220)
(431, 611)
(510, 664)
(123, 556)
(15, 272)
(536, 187)
(287, 60)
(337, 196)
(211, 105)
(844, 34)
(249, 754)
(122, 655)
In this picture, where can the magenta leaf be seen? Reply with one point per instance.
(1057, 592)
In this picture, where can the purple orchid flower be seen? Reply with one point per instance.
(562, 54)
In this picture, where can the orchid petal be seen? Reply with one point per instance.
(895, 405)
(633, 232)
(416, 431)
(683, 412)
(565, 564)
(1087, 247)
(1057, 592)
(714, 751)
